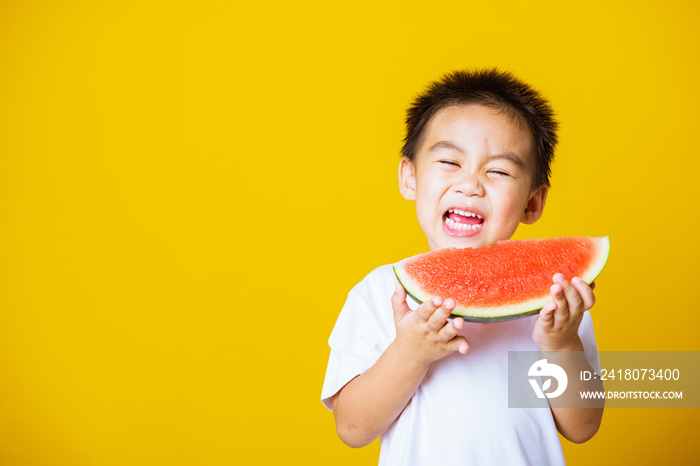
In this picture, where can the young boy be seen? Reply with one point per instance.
(476, 162)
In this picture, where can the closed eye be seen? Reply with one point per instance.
(449, 162)
(499, 173)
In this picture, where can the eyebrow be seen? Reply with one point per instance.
(503, 155)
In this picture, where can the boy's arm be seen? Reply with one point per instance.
(556, 333)
(576, 419)
(367, 405)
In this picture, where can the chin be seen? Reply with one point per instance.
(454, 242)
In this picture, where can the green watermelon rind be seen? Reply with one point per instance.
(511, 312)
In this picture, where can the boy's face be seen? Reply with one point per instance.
(472, 178)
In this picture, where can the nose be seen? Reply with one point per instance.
(469, 185)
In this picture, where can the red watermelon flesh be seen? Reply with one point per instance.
(509, 280)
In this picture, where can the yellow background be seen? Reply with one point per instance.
(188, 190)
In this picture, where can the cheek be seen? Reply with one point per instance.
(425, 211)
(428, 194)
(509, 207)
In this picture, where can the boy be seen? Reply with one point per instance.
(476, 162)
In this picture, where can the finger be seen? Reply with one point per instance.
(451, 329)
(547, 313)
(438, 318)
(426, 309)
(561, 312)
(398, 302)
(585, 291)
(571, 294)
(592, 285)
(461, 344)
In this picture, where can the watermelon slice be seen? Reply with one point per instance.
(507, 281)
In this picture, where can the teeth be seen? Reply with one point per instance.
(464, 213)
(461, 226)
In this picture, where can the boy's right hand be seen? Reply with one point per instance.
(424, 334)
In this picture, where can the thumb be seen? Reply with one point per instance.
(461, 344)
(547, 313)
(398, 302)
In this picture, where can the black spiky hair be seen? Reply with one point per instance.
(492, 88)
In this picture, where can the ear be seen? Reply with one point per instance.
(535, 205)
(407, 179)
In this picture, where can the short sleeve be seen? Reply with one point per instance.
(585, 332)
(362, 332)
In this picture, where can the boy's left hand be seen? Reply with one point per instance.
(557, 325)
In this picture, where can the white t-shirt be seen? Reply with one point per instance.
(459, 414)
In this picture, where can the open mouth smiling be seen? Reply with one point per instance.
(461, 222)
